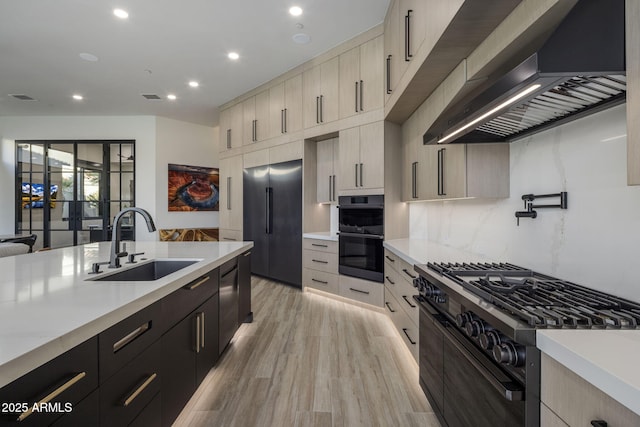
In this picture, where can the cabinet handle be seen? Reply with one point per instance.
(284, 114)
(202, 333)
(389, 280)
(388, 74)
(356, 174)
(281, 121)
(408, 274)
(361, 90)
(408, 337)
(253, 130)
(320, 261)
(320, 281)
(317, 109)
(228, 138)
(198, 283)
(414, 180)
(330, 192)
(441, 191)
(121, 343)
(139, 390)
(228, 193)
(359, 291)
(599, 423)
(389, 258)
(407, 36)
(229, 238)
(319, 245)
(198, 327)
(404, 297)
(321, 108)
(334, 188)
(361, 184)
(55, 393)
(389, 307)
(248, 253)
(356, 99)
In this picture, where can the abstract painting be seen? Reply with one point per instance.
(193, 188)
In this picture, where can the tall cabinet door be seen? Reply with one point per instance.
(262, 115)
(276, 110)
(248, 121)
(311, 96)
(293, 104)
(349, 159)
(349, 82)
(371, 75)
(230, 187)
(372, 155)
(325, 179)
(329, 90)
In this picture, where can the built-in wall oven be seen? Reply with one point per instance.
(361, 232)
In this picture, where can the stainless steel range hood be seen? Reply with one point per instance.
(579, 70)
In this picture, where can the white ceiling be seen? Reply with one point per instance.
(158, 49)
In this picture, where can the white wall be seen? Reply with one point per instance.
(184, 144)
(157, 140)
(594, 242)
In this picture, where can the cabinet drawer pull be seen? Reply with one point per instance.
(599, 423)
(404, 297)
(229, 238)
(55, 393)
(321, 108)
(389, 280)
(388, 74)
(126, 402)
(198, 283)
(389, 258)
(198, 333)
(361, 184)
(247, 253)
(319, 245)
(389, 307)
(320, 261)
(202, 333)
(359, 291)
(361, 90)
(320, 281)
(408, 274)
(124, 341)
(408, 337)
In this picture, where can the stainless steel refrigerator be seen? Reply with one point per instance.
(272, 197)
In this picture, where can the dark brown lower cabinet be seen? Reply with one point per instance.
(189, 350)
(70, 378)
(85, 413)
(125, 395)
(228, 303)
(151, 415)
(245, 315)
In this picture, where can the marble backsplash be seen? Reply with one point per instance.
(595, 242)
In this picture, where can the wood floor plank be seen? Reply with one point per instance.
(309, 360)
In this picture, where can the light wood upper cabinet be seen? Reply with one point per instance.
(393, 48)
(327, 169)
(249, 121)
(320, 93)
(230, 185)
(361, 158)
(255, 118)
(361, 78)
(285, 106)
(231, 124)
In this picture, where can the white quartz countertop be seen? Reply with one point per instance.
(608, 359)
(421, 251)
(47, 305)
(321, 235)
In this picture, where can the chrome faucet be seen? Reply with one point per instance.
(114, 260)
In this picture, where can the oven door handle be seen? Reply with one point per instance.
(363, 236)
(510, 391)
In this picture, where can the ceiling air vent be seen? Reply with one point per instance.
(22, 97)
(151, 96)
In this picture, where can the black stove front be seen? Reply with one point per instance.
(479, 364)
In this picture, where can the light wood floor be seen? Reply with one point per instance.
(308, 360)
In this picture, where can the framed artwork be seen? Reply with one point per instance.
(193, 188)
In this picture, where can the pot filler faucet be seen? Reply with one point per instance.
(114, 260)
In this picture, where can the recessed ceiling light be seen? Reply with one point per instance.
(233, 55)
(88, 57)
(194, 83)
(295, 11)
(172, 97)
(121, 13)
(77, 97)
(301, 38)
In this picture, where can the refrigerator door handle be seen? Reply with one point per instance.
(269, 201)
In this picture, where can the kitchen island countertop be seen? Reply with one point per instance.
(48, 303)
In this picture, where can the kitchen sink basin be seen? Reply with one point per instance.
(149, 271)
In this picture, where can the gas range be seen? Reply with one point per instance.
(486, 315)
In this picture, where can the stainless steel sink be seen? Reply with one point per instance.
(149, 271)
